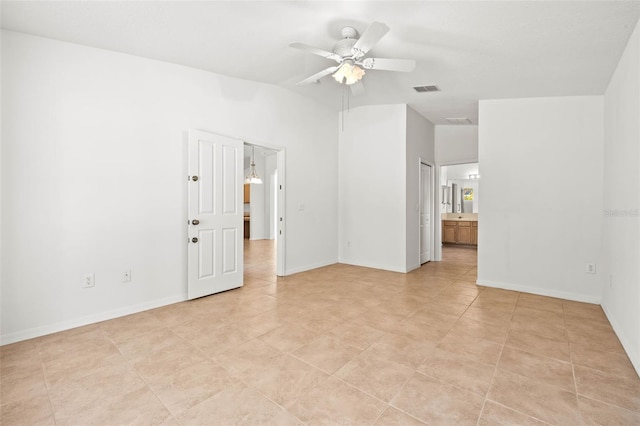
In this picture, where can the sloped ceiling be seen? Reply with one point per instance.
(471, 50)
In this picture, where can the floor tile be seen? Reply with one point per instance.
(22, 386)
(495, 414)
(34, 411)
(355, 334)
(124, 328)
(429, 316)
(236, 404)
(616, 363)
(394, 417)
(547, 403)
(600, 337)
(183, 389)
(418, 331)
(21, 358)
(487, 314)
(538, 345)
(284, 379)
(434, 402)
(599, 413)
(246, 357)
(219, 340)
(539, 369)
(401, 349)
(172, 358)
(494, 332)
(544, 303)
(374, 375)
(335, 402)
(621, 391)
(478, 349)
(326, 353)
(145, 344)
(64, 369)
(288, 337)
(458, 370)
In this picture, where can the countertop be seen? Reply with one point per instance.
(464, 219)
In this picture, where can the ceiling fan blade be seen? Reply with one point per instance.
(403, 65)
(357, 88)
(316, 51)
(369, 38)
(318, 76)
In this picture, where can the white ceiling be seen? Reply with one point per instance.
(472, 50)
(461, 171)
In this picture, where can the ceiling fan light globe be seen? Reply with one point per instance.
(343, 72)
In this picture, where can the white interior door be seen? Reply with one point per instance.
(215, 214)
(425, 213)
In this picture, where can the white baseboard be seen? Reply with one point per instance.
(413, 267)
(373, 266)
(633, 357)
(291, 271)
(30, 333)
(577, 297)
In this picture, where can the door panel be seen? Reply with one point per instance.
(230, 260)
(215, 201)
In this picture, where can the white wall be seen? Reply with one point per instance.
(94, 177)
(455, 144)
(420, 147)
(372, 190)
(541, 207)
(621, 236)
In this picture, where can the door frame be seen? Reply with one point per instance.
(281, 204)
(438, 252)
(432, 205)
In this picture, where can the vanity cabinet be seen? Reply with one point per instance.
(460, 232)
(474, 233)
(464, 233)
(449, 232)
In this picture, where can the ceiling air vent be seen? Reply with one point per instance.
(459, 120)
(425, 89)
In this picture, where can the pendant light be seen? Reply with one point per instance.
(252, 177)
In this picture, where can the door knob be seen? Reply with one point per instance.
(194, 240)
(195, 222)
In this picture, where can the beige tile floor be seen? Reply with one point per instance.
(337, 345)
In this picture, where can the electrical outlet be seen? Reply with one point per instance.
(126, 276)
(591, 268)
(88, 280)
(610, 281)
(348, 243)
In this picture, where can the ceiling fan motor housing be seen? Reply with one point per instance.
(344, 47)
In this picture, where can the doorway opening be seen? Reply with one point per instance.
(264, 214)
(459, 196)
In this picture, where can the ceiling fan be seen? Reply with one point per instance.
(350, 54)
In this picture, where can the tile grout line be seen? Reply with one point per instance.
(495, 370)
(573, 369)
